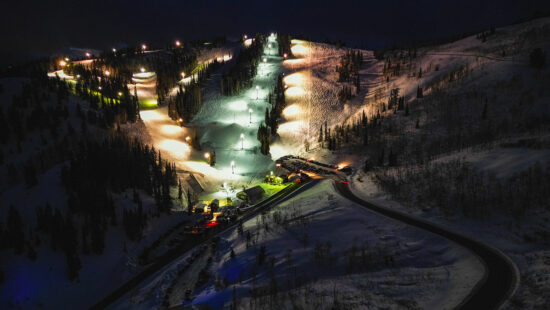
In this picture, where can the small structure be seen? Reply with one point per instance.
(200, 207)
(251, 195)
(214, 206)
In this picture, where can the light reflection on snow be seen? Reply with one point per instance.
(171, 129)
(294, 79)
(176, 148)
(151, 115)
(239, 105)
(295, 91)
(291, 110)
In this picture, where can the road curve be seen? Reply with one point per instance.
(501, 274)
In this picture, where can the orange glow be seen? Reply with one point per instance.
(170, 129)
(176, 148)
(62, 63)
(178, 43)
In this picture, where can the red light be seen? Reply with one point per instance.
(212, 223)
(346, 182)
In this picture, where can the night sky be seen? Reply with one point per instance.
(32, 28)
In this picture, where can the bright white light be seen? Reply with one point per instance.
(299, 50)
(295, 91)
(257, 87)
(247, 42)
(291, 110)
(249, 110)
(78, 75)
(265, 59)
(88, 55)
(178, 43)
(67, 59)
(142, 70)
(183, 74)
(242, 135)
(291, 127)
(294, 79)
(176, 148)
(239, 105)
(143, 47)
(107, 73)
(170, 129)
(119, 94)
(62, 63)
(206, 155)
(150, 115)
(114, 50)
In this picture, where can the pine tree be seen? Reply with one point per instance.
(484, 112)
(419, 93)
(15, 233)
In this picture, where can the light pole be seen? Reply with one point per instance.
(207, 156)
(242, 141)
(233, 167)
(250, 111)
(257, 92)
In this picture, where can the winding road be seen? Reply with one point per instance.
(501, 274)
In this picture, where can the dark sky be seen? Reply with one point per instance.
(36, 27)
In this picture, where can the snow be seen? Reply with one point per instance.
(423, 262)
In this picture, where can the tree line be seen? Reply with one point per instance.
(240, 75)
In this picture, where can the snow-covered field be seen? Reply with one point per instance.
(322, 250)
